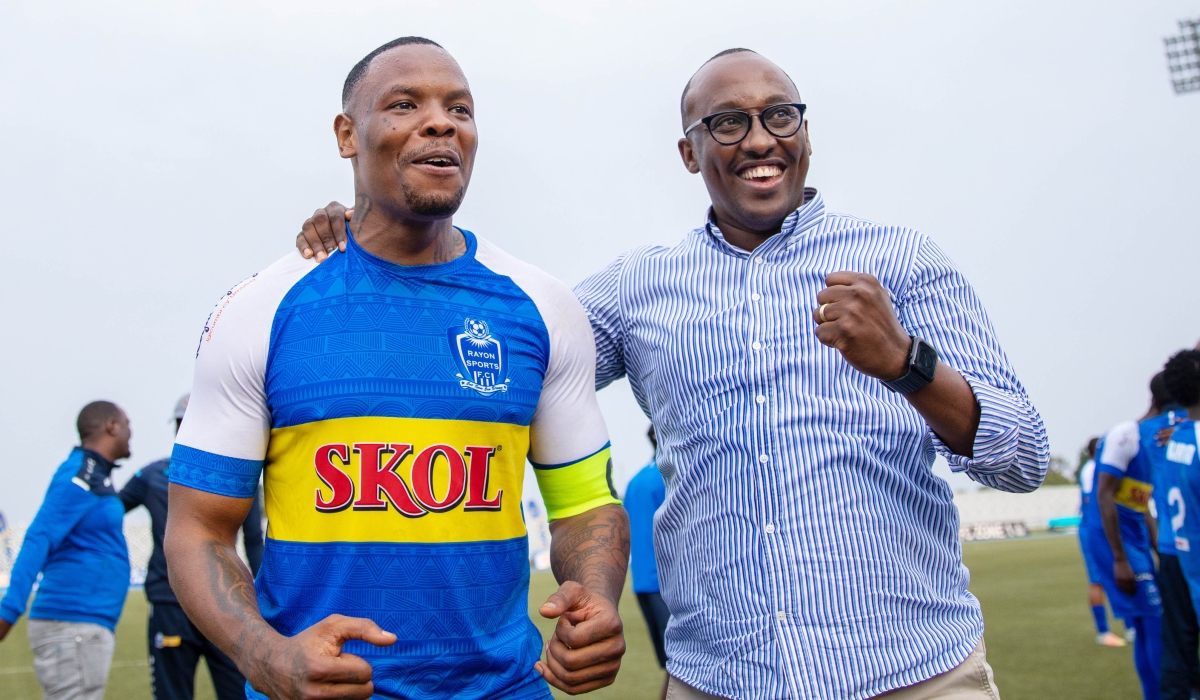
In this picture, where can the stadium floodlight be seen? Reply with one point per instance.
(1183, 57)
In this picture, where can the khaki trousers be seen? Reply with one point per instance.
(970, 680)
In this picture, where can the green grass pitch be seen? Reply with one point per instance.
(1039, 634)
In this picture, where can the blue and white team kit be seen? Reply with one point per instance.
(390, 410)
(1129, 452)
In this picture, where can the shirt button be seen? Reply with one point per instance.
(759, 261)
(770, 528)
(756, 345)
(781, 616)
(761, 399)
(764, 459)
(755, 296)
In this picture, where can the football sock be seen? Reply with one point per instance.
(1101, 618)
(1147, 653)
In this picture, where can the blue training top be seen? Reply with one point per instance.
(643, 496)
(76, 543)
(1182, 453)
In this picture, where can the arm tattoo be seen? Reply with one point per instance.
(592, 549)
(232, 589)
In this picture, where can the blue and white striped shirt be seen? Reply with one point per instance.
(805, 548)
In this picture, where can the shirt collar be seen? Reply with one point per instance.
(811, 213)
(103, 466)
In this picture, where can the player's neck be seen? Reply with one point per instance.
(407, 241)
(1193, 412)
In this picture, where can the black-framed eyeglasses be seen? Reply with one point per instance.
(731, 126)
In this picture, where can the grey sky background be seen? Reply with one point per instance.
(154, 154)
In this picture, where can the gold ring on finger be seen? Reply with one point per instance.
(821, 313)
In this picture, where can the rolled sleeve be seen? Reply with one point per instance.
(1011, 451)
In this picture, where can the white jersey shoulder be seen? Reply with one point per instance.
(227, 413)
(567, 423)
(1121, 445)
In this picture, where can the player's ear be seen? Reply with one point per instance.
(347, 138)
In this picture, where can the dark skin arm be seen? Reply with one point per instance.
(589, 554)
(861, 324)
(217, 592)
(5, 628)
(1106, 493)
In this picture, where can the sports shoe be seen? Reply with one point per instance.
(1108, 639)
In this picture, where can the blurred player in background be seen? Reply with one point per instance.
(1126, 472)
(1089, 526)
(76, 543)
(643, 496)
(1175, 487)
(176, 645)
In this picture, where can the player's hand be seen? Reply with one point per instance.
(5, 628)
(861, 323)
(585, 651)
(1163, 436)
(324, 231)
(311, 664)
(1123, 572)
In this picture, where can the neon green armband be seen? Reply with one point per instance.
(577, 487)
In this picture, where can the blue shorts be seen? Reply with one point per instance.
(1089, 559)
(1146, 602)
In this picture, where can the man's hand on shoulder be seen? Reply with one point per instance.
(855, 316)
(585, 650)
(311, 664)
(324, 232)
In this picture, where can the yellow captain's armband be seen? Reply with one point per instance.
(1134, 494)
(577, 487)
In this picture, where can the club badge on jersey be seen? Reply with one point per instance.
(481, 356)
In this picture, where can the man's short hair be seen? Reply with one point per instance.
(94, 417)
(1158, 391)
(1181, 377)
(360, 69)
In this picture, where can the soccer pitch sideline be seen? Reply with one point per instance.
(1039, 634)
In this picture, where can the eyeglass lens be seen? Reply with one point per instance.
(730, 127)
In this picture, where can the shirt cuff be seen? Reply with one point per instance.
(997, 441)
(9, 615)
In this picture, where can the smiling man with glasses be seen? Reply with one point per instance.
(801, 369)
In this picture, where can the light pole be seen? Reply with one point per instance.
(1183, 57)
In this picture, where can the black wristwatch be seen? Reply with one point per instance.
(922, 362)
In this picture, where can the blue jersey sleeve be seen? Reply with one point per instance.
(66, 503)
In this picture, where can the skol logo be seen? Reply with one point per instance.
(379, 484)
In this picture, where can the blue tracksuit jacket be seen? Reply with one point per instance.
(76, 543)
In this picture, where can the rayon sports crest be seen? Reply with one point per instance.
(481, 357)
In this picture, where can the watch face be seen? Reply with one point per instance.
(925, 363)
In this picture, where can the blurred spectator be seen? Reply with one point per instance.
(643, 496)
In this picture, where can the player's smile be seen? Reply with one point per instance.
(437, 161)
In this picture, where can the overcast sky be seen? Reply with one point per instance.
(156, 153)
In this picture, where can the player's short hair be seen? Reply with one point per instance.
(688, 87)
(94, 417)
(360, 69)
(1181, 377)
(1091, 447)
(1159, 394)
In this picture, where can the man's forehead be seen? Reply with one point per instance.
(416, 66)
(744, 78)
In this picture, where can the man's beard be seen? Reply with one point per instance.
(436, 206)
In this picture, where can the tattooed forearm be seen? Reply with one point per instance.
(592, 549)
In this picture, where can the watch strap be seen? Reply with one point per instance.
(915, 378)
